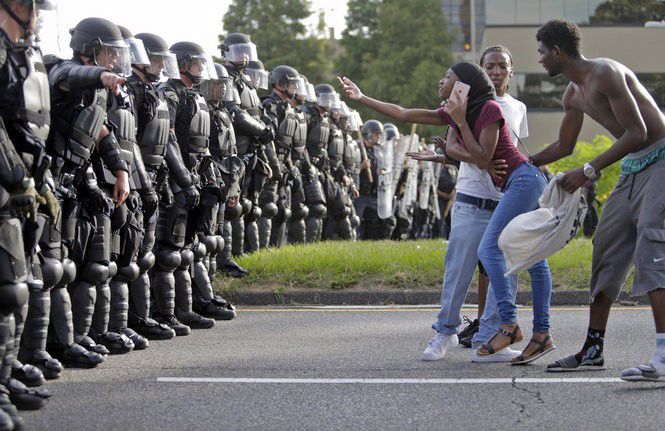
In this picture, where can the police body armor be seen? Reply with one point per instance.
(250, 102)
(121, 115)
(318, 134)
(298, 150)
(192, 128)
(78, 126)
(223, 138)
(153, 124)
(336, 149)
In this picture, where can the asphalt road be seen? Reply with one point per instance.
(136, 391)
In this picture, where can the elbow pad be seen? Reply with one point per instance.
(245, 124)
(111, 154)
(177, 170)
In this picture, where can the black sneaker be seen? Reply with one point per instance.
(466, 342)
(470, 330)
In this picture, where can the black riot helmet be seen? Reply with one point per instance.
(289, 79)
(392, 132)
(136, 48)
(326, 97)
(238, 49)
(192, 57)
(31, 5)
(369, 129)
(163, 63)
(220, 89)
(258, 73)
(101, 40)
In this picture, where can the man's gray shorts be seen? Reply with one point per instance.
(631, 231)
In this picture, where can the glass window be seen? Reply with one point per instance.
(500, 12)
(527, 12)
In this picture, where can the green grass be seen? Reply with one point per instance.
(380, 265)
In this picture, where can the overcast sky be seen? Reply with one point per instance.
(200, 23)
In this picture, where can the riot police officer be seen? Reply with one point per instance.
(152, 118)
(254, 140)
(24, 184)
(229, 168)
(80, 133)
(290, 138)
(188, 160)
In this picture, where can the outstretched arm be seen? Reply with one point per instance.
(568, 133)
(396, 112)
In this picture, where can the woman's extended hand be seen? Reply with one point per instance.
(456, 109)
(425, 155)
(351, 90)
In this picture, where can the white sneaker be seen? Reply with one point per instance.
(505, 355)
(438, 345)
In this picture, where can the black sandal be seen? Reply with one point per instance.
(515, 337)
(541, 351)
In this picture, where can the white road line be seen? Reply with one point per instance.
(386, 381)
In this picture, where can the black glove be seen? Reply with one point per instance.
(267, 136)
(192, 195)
(150, 201)
(97, 199)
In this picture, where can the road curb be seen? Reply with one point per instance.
(398, 297)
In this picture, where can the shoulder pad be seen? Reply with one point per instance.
(168, 92)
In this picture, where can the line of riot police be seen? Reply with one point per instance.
(134, 172)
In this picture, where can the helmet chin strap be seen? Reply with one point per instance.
(25, 25)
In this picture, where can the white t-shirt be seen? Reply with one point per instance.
(477, 182)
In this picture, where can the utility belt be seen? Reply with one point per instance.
(483, 204)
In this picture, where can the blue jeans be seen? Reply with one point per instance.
(520, 195)
(468, 224)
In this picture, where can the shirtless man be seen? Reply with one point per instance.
(632, 226)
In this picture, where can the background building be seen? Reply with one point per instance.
(514, 23)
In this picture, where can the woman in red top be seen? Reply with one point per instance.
(482, 135)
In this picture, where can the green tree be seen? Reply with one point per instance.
(281, 37)
(628, 12)
(359, 40)
(410, 55)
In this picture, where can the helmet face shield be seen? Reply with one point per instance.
(328, 100)
(163, 65)
(241, 53)
(218, 90)
(259, 77)
(137, 51)
(47, 34)
(203, 66)
(311, 93)
(301, 88)
(116, 57)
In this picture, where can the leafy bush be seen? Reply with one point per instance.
(585, 152)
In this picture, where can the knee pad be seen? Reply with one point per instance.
(95, 273)
(186, 259)
(317, 211)
(246, 206)
(68, 272)
(146, 262)
(269, 210)
(300, 213)
(128, 273)
(233, 213)
(198, 252)
(220, 243)
(113, 269)
(168, 259)
(210, 243)
(13, 296)
(52, 272)
(355, 221)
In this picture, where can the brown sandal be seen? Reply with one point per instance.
(542, 350)
(515, 337)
